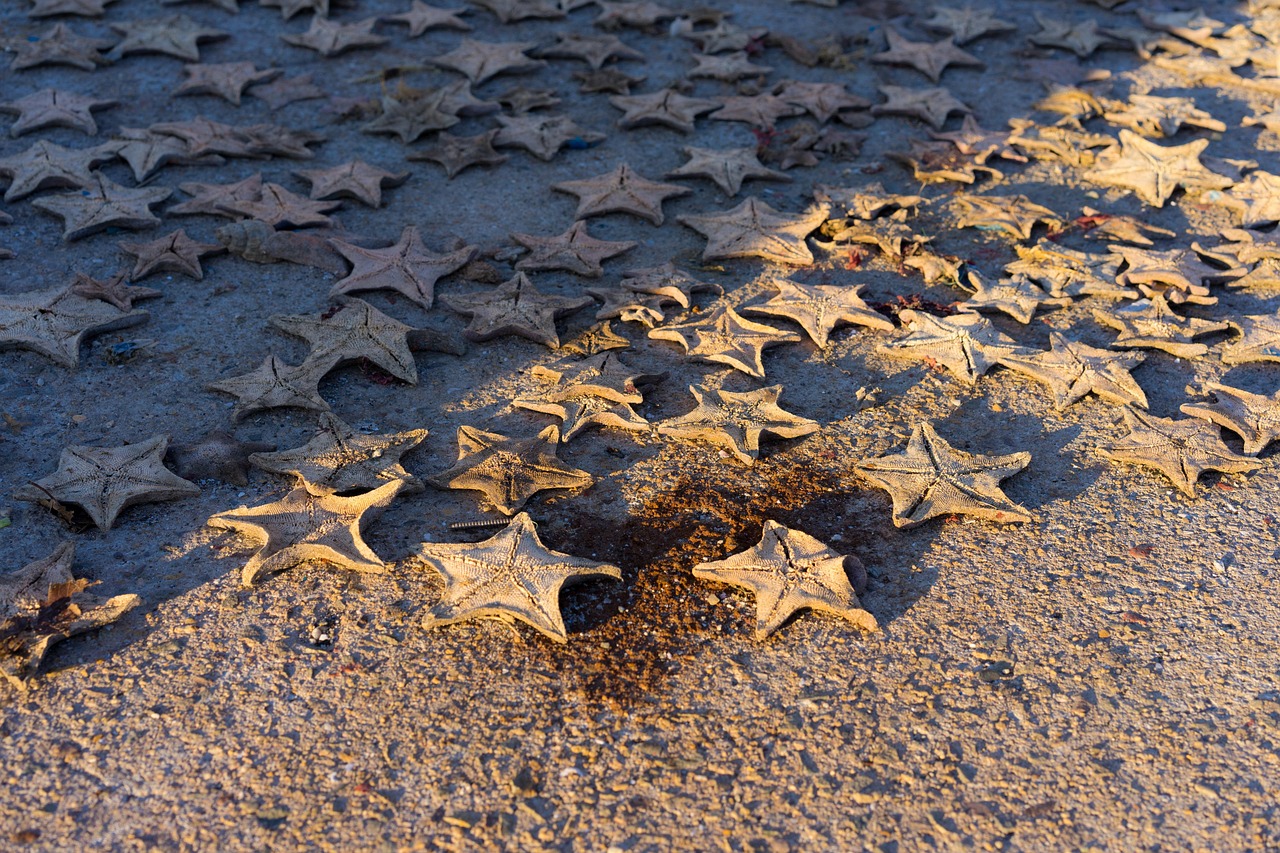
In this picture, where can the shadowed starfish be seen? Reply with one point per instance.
(601, 375)
(930, 59)
(478, 60)
(46, 165)
(1182, 450)
(722, 335)
(1259, 339)
(666, 107)
(509, 576)
(1253, 417)
(543, 135)
(355, 331)
(174, 35)
(580, 412)
(509, 471)
(818, 309)
(575, 250)
(59, 45)
(966, 344)
(54, 108)
(329, 38)
(272, 385)
(303, 527)
(408, 267)
(112, 290)
(728, 167)
(353, 179)
(52, 322)
(175, 252)
(104, 204)
(788, 571)
(42, 604)
(339, 459)
(753, 229)
(620, 191)
(932, 478)
(219, 455)
(105, 480)
(735, 421)
(931, 106)
(515, 307)
(1073, 370)
(456, 153)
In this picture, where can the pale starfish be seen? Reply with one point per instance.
(272, 385)
(509, 576)
(1253, 417)
(575, 250)
(54, 108)
(1153, 171)
(104, 204)
(339, 459)
(580, 412)
(728, 167)
(1153, 324)
(408, 267)
(930, 59)
(932, 478)
(966, 344)
(357, 331)
(303, 527)
(1259, 339)
(1182, 450)
(818, 309)
(735, 421)
(1073, 369)
(753, 229)
(105, 480)
(53, 322)
(509, 471)
(620, 191)
(724, 336)
(788, 571)
(1017, 297)
(515, 307)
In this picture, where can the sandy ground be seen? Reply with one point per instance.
(1050, 685)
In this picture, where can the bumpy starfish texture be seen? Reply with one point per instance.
(218, 455)
(175, 252)
(509, 471)
(735, 421)
(789, 570)
(1067, 272)
(515, 307)
(603, 375)
(511, 575)
(226, 80)
(52, 322)
(818, 309)
(54, 108)
(283, 91)
(60, 45)
(408, 267)
(1017, 297)
(620, 191)
(1253, 417)
(279, 206)
(1255, 200)
(339, 459)
(354, 332)
(932, 478)
(353, 179)
(1081, 38)
(727, 167)
(105, 480)
(821, 100)
(1259, 339)
(1073, 369)
(46, 164)
(112, 290)
(1152, 324)
(1157, 117)
(666, 107)
(271, 385)
(593, 50)
(414, 114)
(724, 336)
(753, 229)
(575, 250)
(584, 411)
(1014, 215)
(1182, 450)
(966, 344)
(1153, 171)
(303, 527)
(104, 204)
(42, 604)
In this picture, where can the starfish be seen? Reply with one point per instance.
(509, 471)
(575, 250)
(456, 153)
(593, 50)
(1071, 147)
(1014, 215)
(218, 455)
(755, 110)
(422, 17)
(723, 36)
(935, 162)
(226, 80)
(203, 136)
(1073, 370)
(478, 61)
(932, 478)
(1081, 38)
(929, 58)
(931, 106)
(735, 421)
(788, 571)
(515, 307)
(408, 267)
(866, 201)
(1153, 325)
(278, 206)
(147, 153)
(1126, 229)
(1259, 341)
(328, 38)
(46, 164)
(509, 576)
(627, 305)
(976, 141)
(1179, 269)
(270, 386)
(608, 80)
(339, 459)
(105, 480)
(727, 68)
(1182, 450)
(353, 179)
(289, 8)
(823, 101)
(818, 309)
(510, 11)
(581, 412)
(666, 107)
(1153, 171)
(890, 234)
(1253, 417)
(966, 23)
(282, 91)
(53, 321)
(543, 135)
(1254, 200)
(175, 252)
(42, 604)
(603, 375)
(620, 191)
(54, 108)
(215, 199)
(413, 114)
(60, 45)
(965, 344)
(1067, 272)
(85, 8)
(175, 35)
(753, 229)
(1018, 297)
(104, 204)
(303, 527)
(357, 331)
(641, 13)
(1153, 116)
(112, 290)
(724, 336)
(667, 281)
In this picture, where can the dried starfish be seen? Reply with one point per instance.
(735, 421)
(509, 471)
(1182, 450)
(724, 336)
(339, 459)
